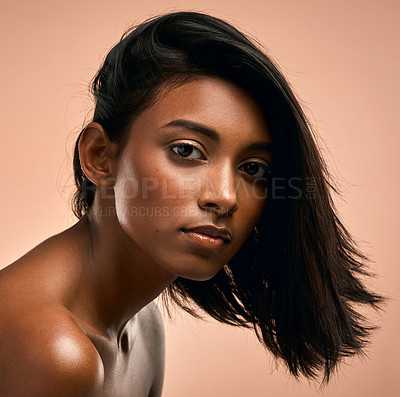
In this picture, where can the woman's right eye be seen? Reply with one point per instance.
(187, 151)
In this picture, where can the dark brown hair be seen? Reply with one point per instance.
(297, 283)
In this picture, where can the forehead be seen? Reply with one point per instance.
(213, 102)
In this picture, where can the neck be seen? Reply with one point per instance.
(118, 277)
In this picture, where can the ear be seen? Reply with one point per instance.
(97, 155)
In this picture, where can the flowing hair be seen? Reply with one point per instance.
(297, 281)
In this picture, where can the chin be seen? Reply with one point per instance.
(196, 275)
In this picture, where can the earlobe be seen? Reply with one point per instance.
(97, 155)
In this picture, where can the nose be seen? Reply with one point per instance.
(218, 192)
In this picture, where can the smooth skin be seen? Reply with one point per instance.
(77, 317)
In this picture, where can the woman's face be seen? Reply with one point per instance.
(189, 186)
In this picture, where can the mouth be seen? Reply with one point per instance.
(208, 236)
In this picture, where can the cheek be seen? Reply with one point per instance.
(251, 209)
(150, 192)
(256, 210)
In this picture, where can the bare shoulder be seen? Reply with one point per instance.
(151, 333)
(151, 321)
(152, 339)
(43, 353)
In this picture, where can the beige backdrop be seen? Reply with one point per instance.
(342, 58)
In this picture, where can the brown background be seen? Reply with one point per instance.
(342, 58)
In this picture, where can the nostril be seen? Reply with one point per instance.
(230, 211)
(221, 211)
(222, 201)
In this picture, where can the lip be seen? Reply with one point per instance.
(212, 231)
(208, 236)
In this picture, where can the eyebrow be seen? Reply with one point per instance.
(213, 135)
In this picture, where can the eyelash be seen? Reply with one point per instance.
(267, 169)
(180, 145)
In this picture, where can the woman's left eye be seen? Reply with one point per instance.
(255, 169)
(187, 151)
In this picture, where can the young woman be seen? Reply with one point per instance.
(198, 178)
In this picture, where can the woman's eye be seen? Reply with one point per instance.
(256, 170)
(187, 151)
